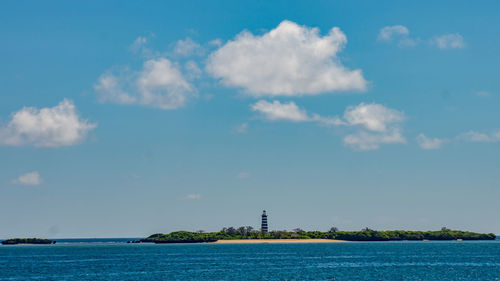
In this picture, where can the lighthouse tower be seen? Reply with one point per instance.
(263, 226)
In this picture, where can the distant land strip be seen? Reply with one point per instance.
(15, 241)
(248, 234)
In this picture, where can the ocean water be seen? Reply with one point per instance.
(334, 261)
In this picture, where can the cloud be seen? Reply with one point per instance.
(375, 124)
(473, 136)
(290, 60)
(216, 42)
(364, 141)
(192, 69)
(429, 143)
(195, 196)
(138, 43)
(29, 179)
(388, 32)
(188, 47)
(241, 128)
(449, 41)
(47, 127)
(373, 117)
(243, 175)
(399, 32)
(140, 46)
(159, 84)
(276, 111)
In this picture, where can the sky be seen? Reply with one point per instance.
(125, 118)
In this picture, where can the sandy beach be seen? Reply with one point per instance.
(253, 241)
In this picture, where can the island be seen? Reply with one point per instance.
(15, 241)
(249, 235)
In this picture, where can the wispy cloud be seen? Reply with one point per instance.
(473, 136)
(138, 43)
(188, 47)
(388, 32)
(29, 179)
(470, 136)
(399, 33)
(194, 196)
(159, 84)
(289, 111)
(241, 128)
(243, 175)
(429, 143)
(449, 41)
(375, 123)
(140, 46)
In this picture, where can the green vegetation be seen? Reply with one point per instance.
(364, 235)
(15, 241)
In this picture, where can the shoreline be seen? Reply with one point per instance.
(255, 241)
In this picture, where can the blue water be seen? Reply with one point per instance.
(337, 261)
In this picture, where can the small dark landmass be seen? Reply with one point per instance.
(363, 235)
(15, 241)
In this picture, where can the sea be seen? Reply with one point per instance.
(113, 259)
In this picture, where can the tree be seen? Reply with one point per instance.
(249, 230)
(333, 229)
(242, 231)
(231, 231)
(298, 230)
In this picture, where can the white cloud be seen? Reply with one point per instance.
(328, 121)
(449, 41)
(138, 43)
(399, 33)
(473, 136)
(429, 143)
(375, 123)
(243, 175)
(216, 42)
(47, 127)
(192, 69)
(195, 196)
(364, 140)
(373, 117)
(140, 46)
(276, 111)
(159, 84)
(241, 128)
(188, 47)
(378, 125)
(29, 179)
(389, 32)
(290, 60)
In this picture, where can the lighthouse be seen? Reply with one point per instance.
(263, 226)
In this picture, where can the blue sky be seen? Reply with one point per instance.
(126, 119)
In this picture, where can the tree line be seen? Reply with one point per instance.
(366, 234)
